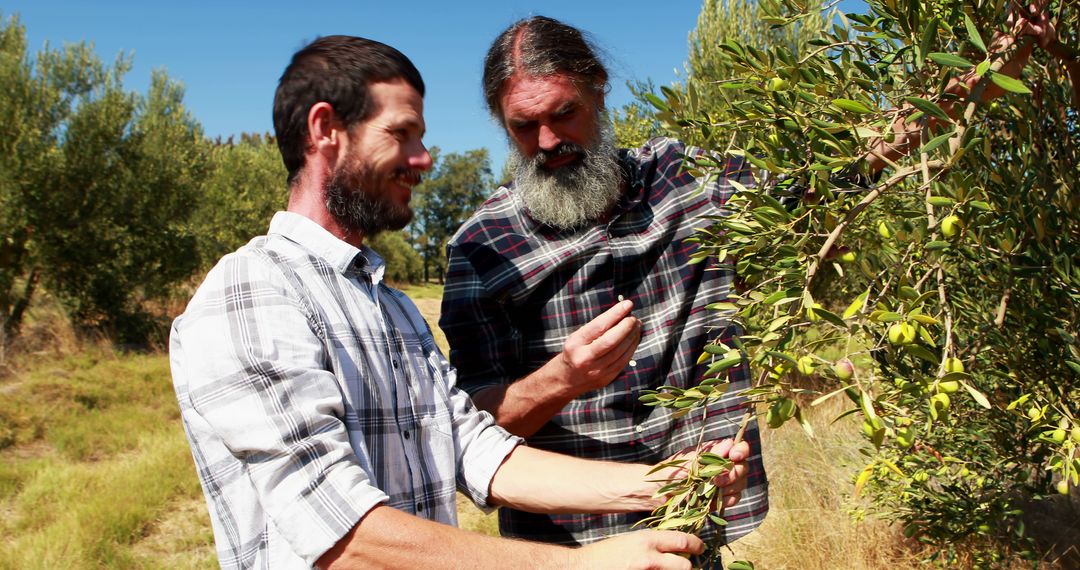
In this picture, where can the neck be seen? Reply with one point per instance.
(307, 197)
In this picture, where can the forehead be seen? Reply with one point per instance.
(528, 96)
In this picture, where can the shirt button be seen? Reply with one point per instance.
(639, 428)
(419, 507)
(395, 363)
(406, 434)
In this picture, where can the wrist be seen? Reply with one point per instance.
(560, 378)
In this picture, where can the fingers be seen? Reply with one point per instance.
(676, 542)
(593, 329)
(616, 347)
(739, 451)
(608, 354)
(732, 500)
(728, 448)
(734, 481)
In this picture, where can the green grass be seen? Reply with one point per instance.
(95, 471)
(423, 291)
(94, 458)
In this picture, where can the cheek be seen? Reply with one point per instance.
(524, 144)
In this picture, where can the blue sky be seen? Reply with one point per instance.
(229, 55)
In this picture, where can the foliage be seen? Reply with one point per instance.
(403, 263)
(719, 21)
(244, 188)
(952, 287)
(102, 186)
(634, 123)
(456, 186)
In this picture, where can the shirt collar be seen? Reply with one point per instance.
(634, 178)
(342, 256)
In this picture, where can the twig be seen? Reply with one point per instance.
(874, 194)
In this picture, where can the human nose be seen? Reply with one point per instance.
(548, 139)
(420, 158)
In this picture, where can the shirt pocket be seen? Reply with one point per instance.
(439, 451)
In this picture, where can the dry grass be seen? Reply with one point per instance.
(469, 516)
(95, 472)
(808, 527)
(93, 459)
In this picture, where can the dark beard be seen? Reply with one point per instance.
(351, 200)
(571, 196)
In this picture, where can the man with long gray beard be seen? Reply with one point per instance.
(586, 228)
(324, 423)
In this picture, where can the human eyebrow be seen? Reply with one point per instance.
(567, 109)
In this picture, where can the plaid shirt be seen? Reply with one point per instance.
(516, 289)
(311, 392)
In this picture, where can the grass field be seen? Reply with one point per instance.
(95, 471)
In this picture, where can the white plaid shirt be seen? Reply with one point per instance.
(311, 392)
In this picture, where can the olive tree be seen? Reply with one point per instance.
(97, 186)
(949, 287)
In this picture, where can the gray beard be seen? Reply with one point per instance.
(351, 201)
(574, 195)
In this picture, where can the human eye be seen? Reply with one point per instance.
(522, 126)
(567, 112)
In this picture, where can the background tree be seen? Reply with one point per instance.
(103, 182)
(403, 262)
(456, 186)
(706, 89)
(951, 289)
(245, 186)
(31, 111)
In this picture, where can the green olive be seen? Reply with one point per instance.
(776, 84)
(954, 365)
(883, 230)
(844, 369)
(901, 333)
(948, 386)
(951, 226)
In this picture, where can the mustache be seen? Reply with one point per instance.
(564, 148)
(408, 175)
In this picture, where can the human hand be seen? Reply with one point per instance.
(1031, 20)
(641, 550)
(732, 481)
(599, 351)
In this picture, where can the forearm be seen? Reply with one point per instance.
(389, 538)
(524, 406)
(543, 482)
(906, 137)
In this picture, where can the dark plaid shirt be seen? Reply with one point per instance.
(516, 289)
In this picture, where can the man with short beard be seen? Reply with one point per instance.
(324, 422)
(586, 228)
